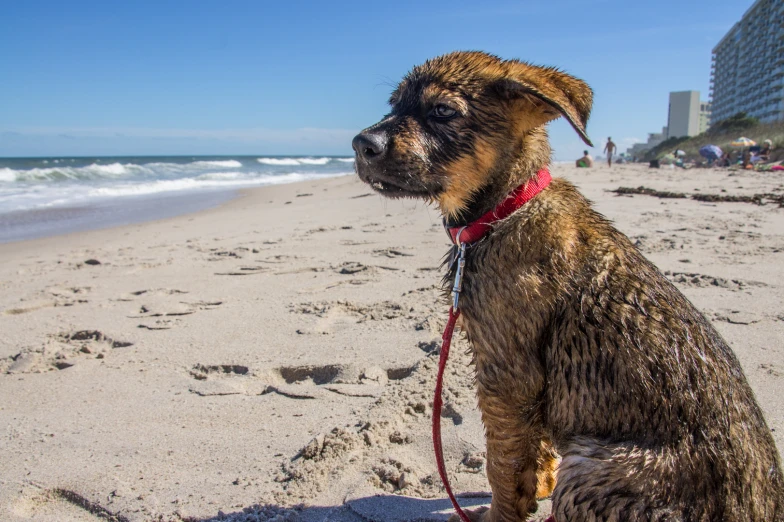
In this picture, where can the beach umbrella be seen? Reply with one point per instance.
(743, 142)
(711, 152)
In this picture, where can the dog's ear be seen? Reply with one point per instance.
(551, 94)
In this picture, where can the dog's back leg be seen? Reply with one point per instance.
(609, 484)
(547, 468)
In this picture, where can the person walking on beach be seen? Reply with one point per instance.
(610, 149)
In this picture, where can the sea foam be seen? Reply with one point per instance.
(94, 171)
(51, 182)
(8, 175)
(220, 164)
(313, 161)
(297, 161)
(184, 184)
(278, 161)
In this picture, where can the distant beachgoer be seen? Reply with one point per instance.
(610, 149)
(765, 151)
(586, 161)
(746, 162)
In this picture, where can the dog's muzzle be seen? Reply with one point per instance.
(377, 166)
(370, 145)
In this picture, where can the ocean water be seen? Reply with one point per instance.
(45, 196)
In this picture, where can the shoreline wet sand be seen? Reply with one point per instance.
(278, 350)
(45, 222)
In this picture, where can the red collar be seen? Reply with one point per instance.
(516, 199)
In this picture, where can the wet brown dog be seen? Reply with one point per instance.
(578, 340)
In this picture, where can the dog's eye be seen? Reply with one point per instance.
(443, 112)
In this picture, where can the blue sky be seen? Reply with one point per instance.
(288, 77)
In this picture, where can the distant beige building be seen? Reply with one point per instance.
(684, 114)
(654, 138)
(747, 72)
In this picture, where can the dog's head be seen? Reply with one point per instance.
(459, 121)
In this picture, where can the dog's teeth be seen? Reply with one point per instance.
(378, 185)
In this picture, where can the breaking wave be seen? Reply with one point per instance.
(29, 183)
(226, 180)
(221, 164)
(299, 161)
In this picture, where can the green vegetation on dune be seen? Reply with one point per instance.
(722, 133)
(733, 125)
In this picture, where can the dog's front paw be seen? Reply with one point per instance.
(481, 514)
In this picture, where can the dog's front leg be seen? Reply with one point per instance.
(513, 449)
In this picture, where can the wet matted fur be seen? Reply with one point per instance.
(580, 345)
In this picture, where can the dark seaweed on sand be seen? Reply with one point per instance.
(757, 199)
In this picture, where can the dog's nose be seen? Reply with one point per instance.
(370, 145)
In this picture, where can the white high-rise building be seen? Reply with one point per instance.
(705, 116)
(747, 72)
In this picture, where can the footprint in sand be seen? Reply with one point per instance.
(62, 351)
(234, 253)
(69, 296)
(649, 245)
(221, 254)
(338, 315)
(391, 253)
(244, 271)
(160, 324)
(158, 292)
(347, 268)
(370, 443)
(321, 288)
(225, 379)
(278, 259)
(295, 382)
(354, 267)
(352, 242)
(234, 379)
(735, 317)
(318, 230)
(373, 227)
(158, 305)
(693, 280)
(364, 274)
(60, 504)
(311, 381)
(52, 297)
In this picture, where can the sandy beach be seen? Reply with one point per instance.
(273, 358)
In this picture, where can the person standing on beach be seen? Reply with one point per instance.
(610, 150)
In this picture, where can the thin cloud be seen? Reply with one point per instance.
(234, 135)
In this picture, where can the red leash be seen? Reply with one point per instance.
(469, 234)
(437, 403)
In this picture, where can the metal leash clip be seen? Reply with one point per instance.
(458, 286)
